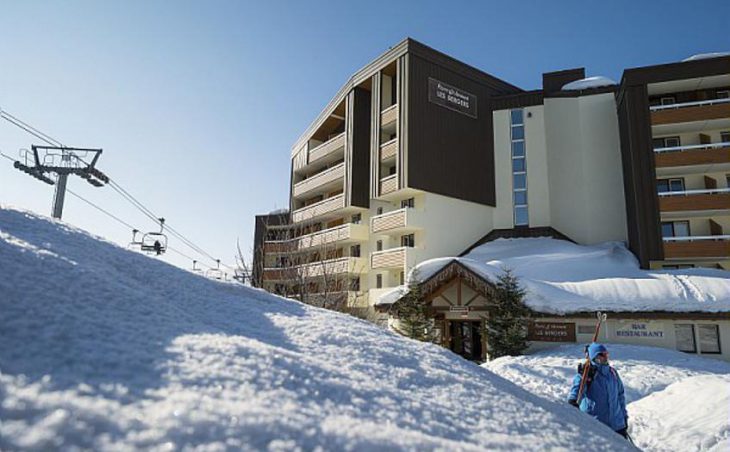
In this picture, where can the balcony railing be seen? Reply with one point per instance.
(320, 179)
(692, 200)
(389, 115)
(391, 258)
(689, 104)
(327, 148)
(354, 265)
(388, 149)
(334, 235)
(705, 246)
(388, 184)
(397, 220)
(695, 154)
(318, 209)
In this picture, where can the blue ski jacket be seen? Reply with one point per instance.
(604, 398)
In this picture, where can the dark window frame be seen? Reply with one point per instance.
(669, 184)
(379, 281)
(405, 239)
(694, 338)
(719, 342)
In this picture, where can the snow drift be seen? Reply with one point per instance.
(563, 277)
(104, 348)
(657, 382)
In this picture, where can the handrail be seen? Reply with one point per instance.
(389, 142)
(321, 174)
(392, 176)
(319, 203)
(689, 147)
(689, 104)
(392, 212)
(391, 250)
(387, 109)
(696, 238)
(326, 142)
(710, 191)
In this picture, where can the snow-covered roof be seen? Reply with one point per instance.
(588, 82)
(108, 349)
(706, 56)
(279, 211)
(563, 277)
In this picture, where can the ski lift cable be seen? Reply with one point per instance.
(118, 188)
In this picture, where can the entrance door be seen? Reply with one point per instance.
(466, 338)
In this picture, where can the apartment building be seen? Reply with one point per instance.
(421, 156)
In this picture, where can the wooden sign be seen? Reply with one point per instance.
(551, 332)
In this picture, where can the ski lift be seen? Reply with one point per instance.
(155, 242)
(135, 244)
(215, 273)
(195, 268)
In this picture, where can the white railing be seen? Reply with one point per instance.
(696, 238)
(317, 180)
(325, 148)
(689, 104)
(387, 109)
(709, 191)
(322, 207)
(389, 142)
(690, 147)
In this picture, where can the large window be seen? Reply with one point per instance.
(685, 338)
(519, 167)
(675, 229)
(725, 137)
(408, 240)
(667, 185)
(709, 338)
(410, 202)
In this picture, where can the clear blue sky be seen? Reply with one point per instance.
(196, 104)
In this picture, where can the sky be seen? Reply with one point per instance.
(196, 104)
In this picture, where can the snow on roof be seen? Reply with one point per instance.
(589, 82)
(563, 277)
(108, 349)
(706, 56)
(279, 211)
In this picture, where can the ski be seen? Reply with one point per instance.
(600, 318)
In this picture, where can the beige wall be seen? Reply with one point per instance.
(666, 326)
(584, 168)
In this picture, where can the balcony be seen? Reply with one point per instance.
(696, 154)
(388, 150)
(388, 259)
(389, 115)
(318, 209)
(338, 234)
(320, 181)
(388, 184)
(278, 274)
(694, 200)
(708, 247)
(278, 247)
(328, 148)
(336, 298)
(397, 221)
(342, 265)
(690, 111)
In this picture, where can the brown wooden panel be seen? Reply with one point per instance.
(551, 332)
(698, 249)
(389, 259)
(710, 183)
(688, 114)
(717, 201)
(715, 227)
(692, 157)
(278, 247)
(396, 219)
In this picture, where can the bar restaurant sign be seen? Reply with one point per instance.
(551, 332)
(644, 330)
(451, 97)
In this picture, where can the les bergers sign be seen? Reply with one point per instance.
(451, 97)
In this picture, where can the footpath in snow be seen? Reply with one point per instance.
(675, 401)
(107, 349)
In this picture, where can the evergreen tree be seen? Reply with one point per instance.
(507, 325)
(414, 319)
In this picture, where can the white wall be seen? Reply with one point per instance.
(585, 176)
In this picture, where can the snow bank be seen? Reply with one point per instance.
(563, 277)
(657, 381)
(588, 82)
(705, 56)
(105, 349)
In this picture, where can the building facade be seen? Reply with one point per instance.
(421, 156)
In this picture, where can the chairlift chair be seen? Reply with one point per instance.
(135, 244)
(215, 273)
(155, 242)
(195, 268)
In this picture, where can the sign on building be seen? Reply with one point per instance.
(551, 332)
(647, 330)
(451, 97)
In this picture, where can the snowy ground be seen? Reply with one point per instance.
(675, 401)
(106, 349)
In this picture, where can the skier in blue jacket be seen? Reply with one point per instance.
(603, 396)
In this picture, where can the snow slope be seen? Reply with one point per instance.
(107, 349)
(563, 277)
(657, 382)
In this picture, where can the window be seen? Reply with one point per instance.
(669, 185)
(355, 284)
(379, 211)
(672, 142)
(379, 281)
(709, 338)
(355, 251)
(357, 218)
(391, 170)
(407, 203)
(723, 94)
(402, 278)
(725, 137)
(408, 240)
(669, 100)
(684, 335)
(379, 245)
(519, 168)
(675, 229)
